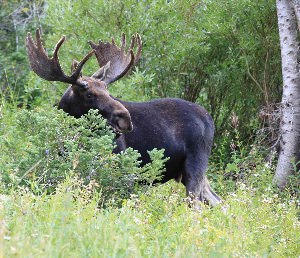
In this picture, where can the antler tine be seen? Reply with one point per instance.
(116, 61)
(139, 48)
(50, 68)
(80, 65)
(39, 41)
(123, 42)
(57, 47)
(136, 39)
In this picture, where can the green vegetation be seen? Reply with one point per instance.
(41, 147)
(156, 224)
(63, 193)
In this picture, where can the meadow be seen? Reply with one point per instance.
(158, 223)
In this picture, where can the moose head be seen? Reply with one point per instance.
(85, 93)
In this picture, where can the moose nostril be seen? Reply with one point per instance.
(122, 120)
(118, 115)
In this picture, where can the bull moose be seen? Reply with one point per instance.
(184, 129)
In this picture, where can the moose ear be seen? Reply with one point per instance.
(74, 66)
(102, 73)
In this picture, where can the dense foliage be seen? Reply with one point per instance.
(225, 58)
(16, 17)
(62, 190)
(40, 148)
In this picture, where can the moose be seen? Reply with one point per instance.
(183, 129)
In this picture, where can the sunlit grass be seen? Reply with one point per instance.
(69, 223)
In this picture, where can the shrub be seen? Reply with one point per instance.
(42, 146)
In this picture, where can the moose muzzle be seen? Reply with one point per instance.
(121, 121)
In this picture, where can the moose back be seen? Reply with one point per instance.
(184, 129)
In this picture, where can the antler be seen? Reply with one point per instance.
(49, 68)
(114, 62)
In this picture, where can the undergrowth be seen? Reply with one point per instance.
(63, 193)
(40, 147)
(157, 223)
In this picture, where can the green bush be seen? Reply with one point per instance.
(39, 148)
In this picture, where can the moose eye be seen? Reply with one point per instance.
(89, 95)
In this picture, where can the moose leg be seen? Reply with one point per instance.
(197, 185)
(194, 173)
(209, 195)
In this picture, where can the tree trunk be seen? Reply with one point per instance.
(290, 121)
(296, 4)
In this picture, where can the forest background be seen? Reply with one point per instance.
(223, 55)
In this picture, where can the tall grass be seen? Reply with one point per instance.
(70, 223)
